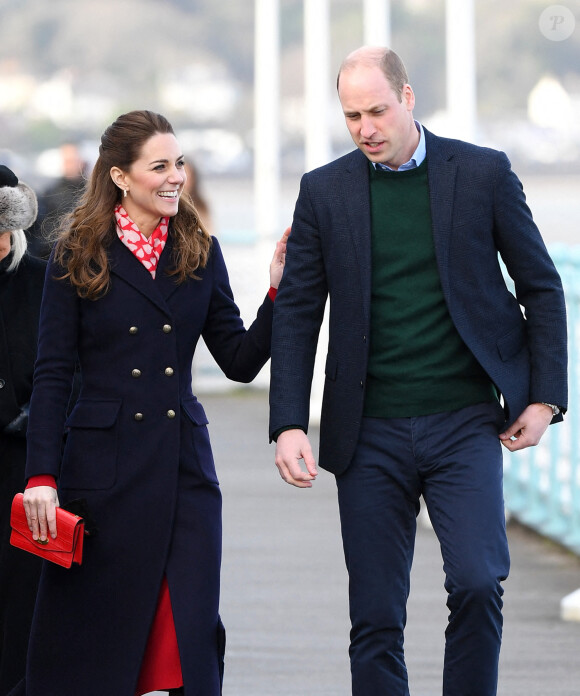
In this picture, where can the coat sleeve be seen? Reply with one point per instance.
(241, 353)
(538, 287)
(53, 374)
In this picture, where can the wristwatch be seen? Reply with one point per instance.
(555, 409)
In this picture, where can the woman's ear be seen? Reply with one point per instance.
(118, 177)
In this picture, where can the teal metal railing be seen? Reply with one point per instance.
(542, 484)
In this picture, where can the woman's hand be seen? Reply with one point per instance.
(40, 503)
(278, 260)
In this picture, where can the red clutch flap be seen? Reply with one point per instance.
(65, 550)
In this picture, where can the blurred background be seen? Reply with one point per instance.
(69, 67)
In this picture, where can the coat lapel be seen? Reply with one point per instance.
(441, 172)
(166, 284)
(132, 271)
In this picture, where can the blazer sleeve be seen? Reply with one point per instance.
(241, 353)
(53, 374)
(538, 287)
(298, 315)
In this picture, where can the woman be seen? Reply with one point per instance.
(134, 282)
(21, 280)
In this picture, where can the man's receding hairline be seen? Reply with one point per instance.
(366, 56)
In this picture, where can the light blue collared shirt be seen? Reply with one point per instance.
(417, 157)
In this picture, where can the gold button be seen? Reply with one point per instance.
(133, 330)
(171, 413)
(138, 416)
(166, 328)
(169, 371)
(136, 373)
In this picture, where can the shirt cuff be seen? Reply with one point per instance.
(272, 293)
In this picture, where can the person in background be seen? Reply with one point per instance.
(57, 200)
(194, 189)
(403, 235)
(134, 282)
(21, 281)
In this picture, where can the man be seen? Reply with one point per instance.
(431, 365)
(57, 200)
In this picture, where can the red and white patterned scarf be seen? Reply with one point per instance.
(146, 250)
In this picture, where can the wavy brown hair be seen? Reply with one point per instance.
(86, 234)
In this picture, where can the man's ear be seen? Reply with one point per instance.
(408, 97)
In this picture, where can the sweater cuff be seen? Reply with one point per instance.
(41, 480)
(272, 293)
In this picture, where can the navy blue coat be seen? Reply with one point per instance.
(478, 211)
(138, 452)
(20, 295)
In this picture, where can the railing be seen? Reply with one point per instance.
(542, 484)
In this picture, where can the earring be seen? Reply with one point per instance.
(124, 193)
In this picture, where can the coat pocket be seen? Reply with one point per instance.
(196, 443)
(90, 452)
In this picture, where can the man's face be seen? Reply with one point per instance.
(379, 124)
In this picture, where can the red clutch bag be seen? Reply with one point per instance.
(65, 550)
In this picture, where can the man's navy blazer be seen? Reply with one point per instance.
(479, 213)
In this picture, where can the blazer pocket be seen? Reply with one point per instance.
(469, 216)
(90, 453)
(511, 343)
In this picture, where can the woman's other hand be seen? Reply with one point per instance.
(40, 503)
(278, 260)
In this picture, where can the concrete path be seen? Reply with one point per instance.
(284, 584)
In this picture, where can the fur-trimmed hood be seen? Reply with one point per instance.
(18, 204)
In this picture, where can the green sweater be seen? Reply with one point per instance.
(418, 363)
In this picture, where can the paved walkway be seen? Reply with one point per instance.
(284, 584)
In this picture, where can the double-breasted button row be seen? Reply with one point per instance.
(167, 328)
(170, 414)
(168, 372)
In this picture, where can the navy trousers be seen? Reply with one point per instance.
(454, 461)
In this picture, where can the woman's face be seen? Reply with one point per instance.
(154, 182)
(5, 245)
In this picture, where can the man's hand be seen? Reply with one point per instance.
(291, 447)
(528, 429)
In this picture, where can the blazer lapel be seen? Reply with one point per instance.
(441, 172)
(356, 193)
